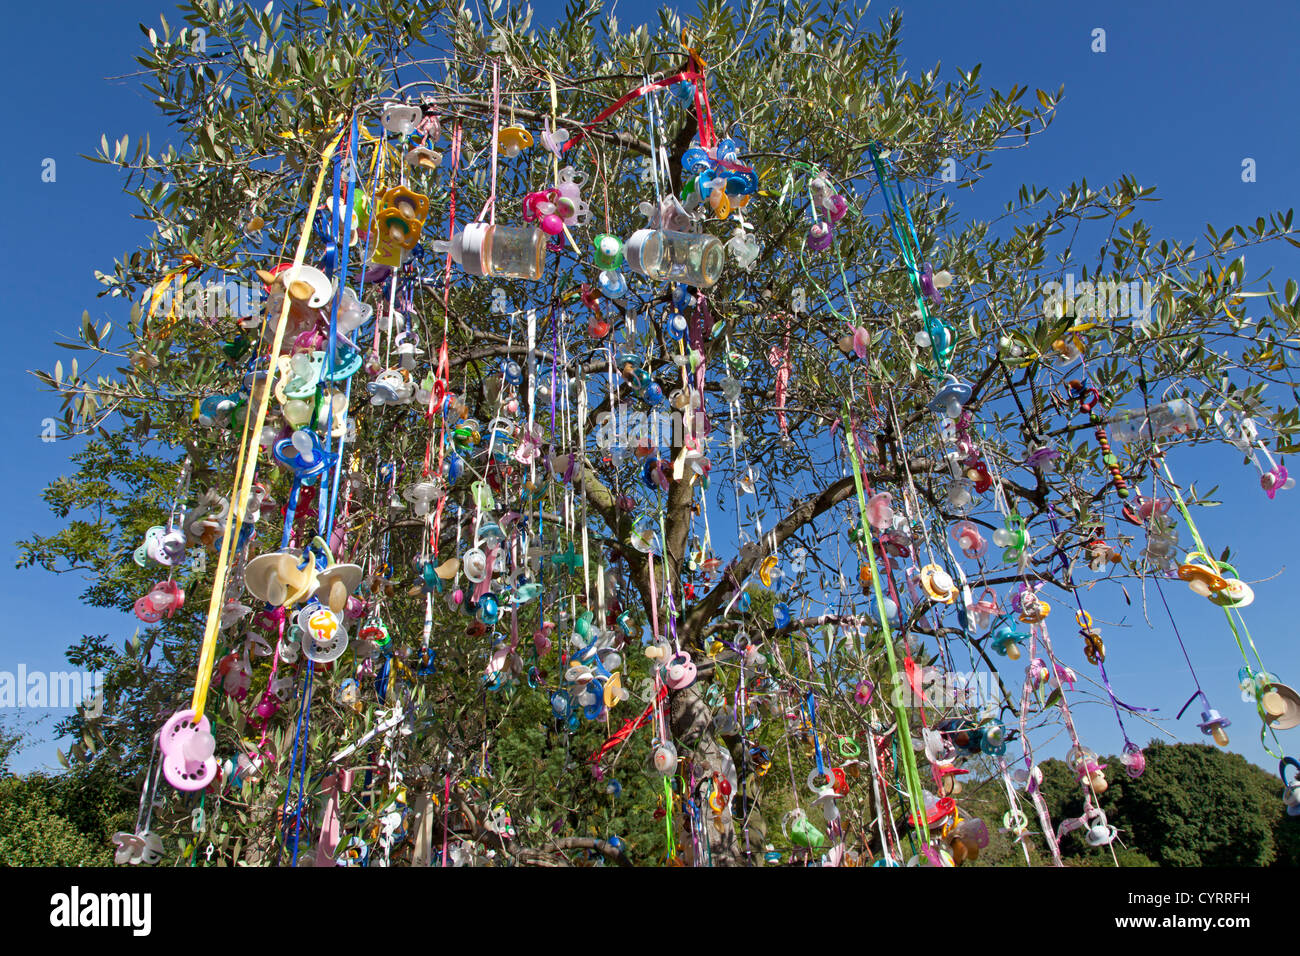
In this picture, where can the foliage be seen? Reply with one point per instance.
(253, 97)
(57, 820)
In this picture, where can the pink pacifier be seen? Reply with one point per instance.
(163, 600)
(187, 749)
(969, 539)
(680, 671)
(880, 513)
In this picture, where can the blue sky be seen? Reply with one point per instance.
(1183, 93)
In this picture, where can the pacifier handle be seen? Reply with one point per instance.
(1281, 769)
(277, 590)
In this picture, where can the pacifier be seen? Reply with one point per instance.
(513, 140)
(608, 256)
(280, 578)
(569, 204)
(1007, 641)
(1274, 480)
(1150, 507)
(422, 495)
(305, 453)
(857, 344)
(1015, 822)
(1014, 537)
(167, 547)
(967, 839)
(136, 848)
(982, 611)
(968, 538)
(308, 284)
(553, 140)
(1088, 769)
(217, 410)
(299, 374)
(202, 523)
(187, 748)
(1214, 724)
(474, 564)
(932, 282)
(1100, 833)
(959, 496)
(1200, 577)
(1235, 593)
(540, 207)
(353, 313)
(1280, 705)
(938, 584)
(337, 582)
(1043, 458)
(993, 738)
(830, 202)
(664, 759)
(1291, 791)
(1032, 609)
(951, 396)
(399, 118)
(801, 832)
(1134, 760)
(743, 247)
(324, 636)
(401, 216)
(680, 671)
(163, 600)
(820, 236)
(236, 674)
(408, 350)
(880, 513)
(391, 387)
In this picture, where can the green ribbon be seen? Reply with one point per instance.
(908, 755)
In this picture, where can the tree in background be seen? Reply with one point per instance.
(57, 819)
(1194, 806)
(746, 543)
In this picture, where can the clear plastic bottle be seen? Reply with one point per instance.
(693, 258)
(510, 252)
(1174, 417)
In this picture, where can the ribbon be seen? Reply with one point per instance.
(686, 76)
(164, 289)
(942, 338)
(900, 710)
(246, 463)
(779, 359)
(630, 726)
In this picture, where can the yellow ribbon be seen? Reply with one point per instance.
(246, 464)
(180, 273)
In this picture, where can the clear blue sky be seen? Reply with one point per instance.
(1182, 94)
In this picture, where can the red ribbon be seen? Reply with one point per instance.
(629, 727)
(684, 76)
